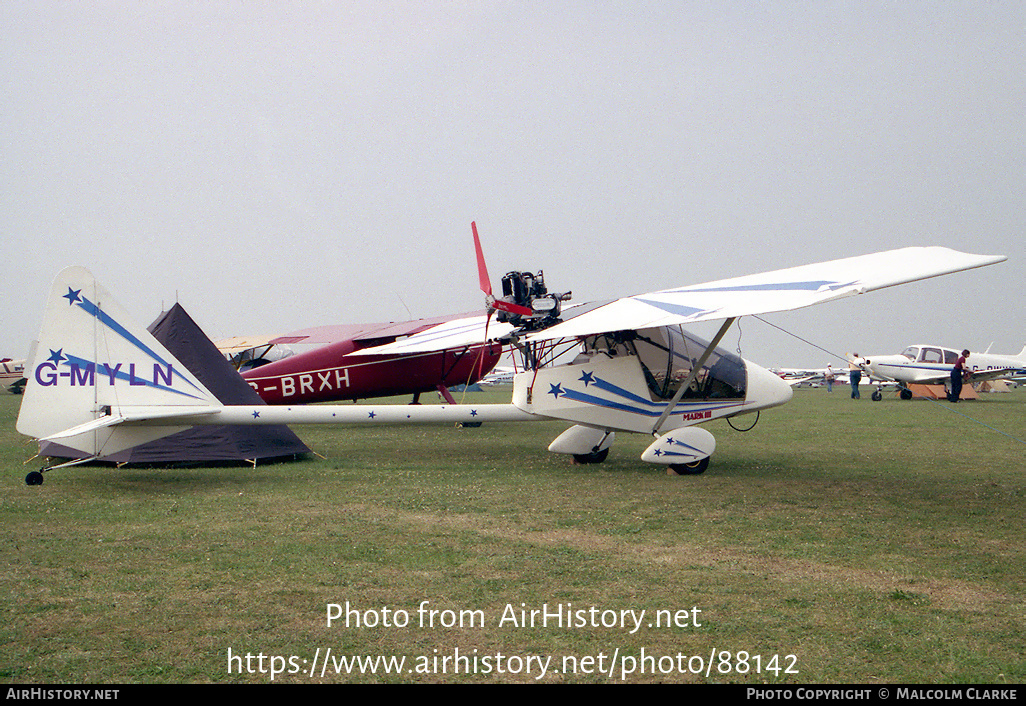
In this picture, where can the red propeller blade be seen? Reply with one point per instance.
(486, 283)
(482, 271)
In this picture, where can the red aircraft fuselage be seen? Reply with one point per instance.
(332, 373)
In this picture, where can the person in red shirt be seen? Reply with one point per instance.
(959, 374)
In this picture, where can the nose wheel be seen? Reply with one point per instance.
(690, 469)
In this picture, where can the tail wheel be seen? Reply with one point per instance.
(690, 469)
(34, 478)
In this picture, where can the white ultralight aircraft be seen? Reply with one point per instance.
(932, 365)
(100, 383)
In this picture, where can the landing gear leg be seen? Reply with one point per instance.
(36, 477)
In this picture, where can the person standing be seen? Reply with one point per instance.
(830, 377)
(855, 364)
(959, 374)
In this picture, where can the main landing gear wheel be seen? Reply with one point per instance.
(690, 469)
(34, 478)
(877, 395)
(906, 394)
(593, 457)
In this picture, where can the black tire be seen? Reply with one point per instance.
(877, 395)
(593, 457)
(906, 394)
(34, 478)
(690, 469)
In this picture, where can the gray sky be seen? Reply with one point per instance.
(275, 165)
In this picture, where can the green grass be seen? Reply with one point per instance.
(876, 542)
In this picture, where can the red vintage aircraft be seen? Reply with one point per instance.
(338, 370)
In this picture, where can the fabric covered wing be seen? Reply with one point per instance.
(780, 290)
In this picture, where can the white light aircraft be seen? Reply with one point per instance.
(12, 375)
(101, 383)
(500, 375)
(816, 377)
(932, 365)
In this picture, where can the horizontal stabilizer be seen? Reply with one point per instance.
(94, 425)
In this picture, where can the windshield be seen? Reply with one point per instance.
(668, 355)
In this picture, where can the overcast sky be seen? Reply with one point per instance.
(277, 165)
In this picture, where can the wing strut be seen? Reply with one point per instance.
(694, 373)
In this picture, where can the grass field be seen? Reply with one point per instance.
(874, 542)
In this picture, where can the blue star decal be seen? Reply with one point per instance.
(72, 296)
(372, 415)
(657, 452)
(56, 356)
(555, 390)
(587, 379)
(473, 413)
(255, 414)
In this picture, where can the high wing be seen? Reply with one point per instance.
(779, 290)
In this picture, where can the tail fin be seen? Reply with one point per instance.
(94, 369)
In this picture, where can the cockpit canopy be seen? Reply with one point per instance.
(930, 354)
(667, 356)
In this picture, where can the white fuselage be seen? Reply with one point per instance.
(609, 389)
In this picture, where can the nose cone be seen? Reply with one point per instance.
(765, 389)
(879, 363)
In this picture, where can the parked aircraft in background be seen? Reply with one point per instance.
(500, 375)
(341, 368)
(932, 365)
(816, 377)
(813, 377)
(336, 369)
(12, 375)
(246, 352)
(109, 385)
